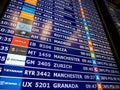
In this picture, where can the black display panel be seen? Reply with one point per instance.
(55, 44)
(114, 11)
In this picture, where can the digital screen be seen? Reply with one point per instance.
(114, 11)
(55, 45)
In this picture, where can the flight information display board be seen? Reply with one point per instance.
(114, 11)
(55, 44)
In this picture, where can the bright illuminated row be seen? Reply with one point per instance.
(90, 45)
